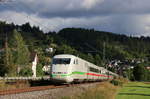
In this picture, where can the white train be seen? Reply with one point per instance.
(69, 68)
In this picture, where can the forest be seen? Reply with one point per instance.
(17, 42)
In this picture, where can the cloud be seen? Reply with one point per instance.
(91, 3)
(131, 17)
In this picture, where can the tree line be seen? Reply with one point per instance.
(98, 47)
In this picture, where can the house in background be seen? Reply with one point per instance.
(34, 60)
(46, 69)
(49, 50)
(148, 67)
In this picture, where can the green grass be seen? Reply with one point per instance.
(134, 90)
(104, 90)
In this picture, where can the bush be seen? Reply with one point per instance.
(117, 82)
(140, 73)
(25, 72)
(39, 70)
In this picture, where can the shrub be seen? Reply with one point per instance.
(25, 72)
(116, 82)
(39, 70)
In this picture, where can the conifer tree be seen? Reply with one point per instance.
(8, 62)
(8, 67)
(20, 51)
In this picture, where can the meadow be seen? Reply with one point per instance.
(134, 90)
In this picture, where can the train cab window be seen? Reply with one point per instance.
(61, 61)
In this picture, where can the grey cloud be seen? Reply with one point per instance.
(77, 8)
(120, 16)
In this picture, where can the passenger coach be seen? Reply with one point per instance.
(69, 68)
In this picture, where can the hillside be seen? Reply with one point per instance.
(98, 47)
(116, 46)
(82, 40)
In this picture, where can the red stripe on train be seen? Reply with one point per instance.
(97, 75)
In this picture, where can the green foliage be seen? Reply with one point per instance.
(16, 54)
(67, 41)
(98, 60)
(3, 68)
(116, 82)
(148, 75)
(129, 74)
(21, 52)
(9, 67)
(65, 49)
(117, 46)
(140, 73)
(25, 72)
(39, 70)
(90, 58)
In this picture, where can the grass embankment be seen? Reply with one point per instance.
(4, 85)
(135, 90)
(104, 90)
(17, 84)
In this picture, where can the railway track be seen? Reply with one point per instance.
(37, 88)
(47, 92)
(29, 89)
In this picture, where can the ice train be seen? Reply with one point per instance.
(69, 68)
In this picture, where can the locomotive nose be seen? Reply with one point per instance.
(61, 73)
(61, 77)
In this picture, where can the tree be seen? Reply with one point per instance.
(90, 58)
(65, 49)
(26, 72)
(8, 67)
(148, 76)
(3, 67)
(98, 60)
(8, 62)
(140, 73)
(20, 51)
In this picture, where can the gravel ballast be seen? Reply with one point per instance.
(52, 93)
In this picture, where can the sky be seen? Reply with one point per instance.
(130, 17)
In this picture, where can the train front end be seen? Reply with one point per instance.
(62, 69)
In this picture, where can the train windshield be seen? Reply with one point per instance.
(61, 61)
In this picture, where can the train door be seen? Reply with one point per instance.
(107, 75)
(99, 77)
(75, 68)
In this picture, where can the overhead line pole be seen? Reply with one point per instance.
(104, 44)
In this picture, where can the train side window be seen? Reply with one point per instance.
(103, 72)
(100, 71)
(76, 61)
(94, 70)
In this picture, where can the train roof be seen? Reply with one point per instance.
(64, 56)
